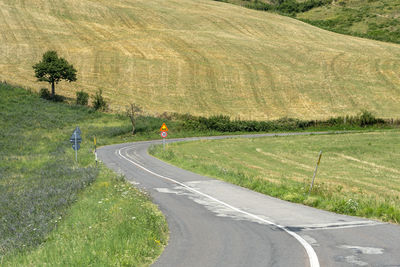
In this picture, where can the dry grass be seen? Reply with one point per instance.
(361, 167)
(367, 162)
(201, 57)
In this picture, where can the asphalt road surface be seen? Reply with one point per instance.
(213, 223)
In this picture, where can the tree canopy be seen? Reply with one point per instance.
(53, 69)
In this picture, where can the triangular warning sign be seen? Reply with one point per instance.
(164, 128)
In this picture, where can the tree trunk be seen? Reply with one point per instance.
(133, 126)
(53, 91)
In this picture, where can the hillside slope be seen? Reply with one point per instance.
(375, 19)
(202, 57)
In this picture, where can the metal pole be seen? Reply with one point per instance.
(163, 142)
(95, 149)
(315, 172)
(76, 148)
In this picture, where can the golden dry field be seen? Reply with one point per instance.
(202, 57)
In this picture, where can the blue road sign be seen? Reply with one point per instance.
(76, 147)
(78, 138)
(75, 140)
(77, 130)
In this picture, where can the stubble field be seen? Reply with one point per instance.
(202, 57)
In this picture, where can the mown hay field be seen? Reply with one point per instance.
(358, 172)
(202, 57)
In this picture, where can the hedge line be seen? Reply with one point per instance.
(223, 123)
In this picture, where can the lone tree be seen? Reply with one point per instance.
(53, 69)
(133, 111)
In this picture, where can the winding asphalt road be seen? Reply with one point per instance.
(213, 223)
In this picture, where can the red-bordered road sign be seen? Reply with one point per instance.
(164, 134)
(164, 128)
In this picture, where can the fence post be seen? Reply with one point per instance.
(315, 172)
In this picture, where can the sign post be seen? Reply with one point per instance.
(315, 172)
(163, 135)
(75, 140)
(76, 146)
(95, 150)
(164, 130)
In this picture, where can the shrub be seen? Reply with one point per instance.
(148, 124)
(219, 123)
(82, 98)
(58, 98)
(288, 7)
(45, 93)
(99, 103)
(367, 118)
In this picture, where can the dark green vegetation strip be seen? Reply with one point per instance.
(221, 123)
(39, 179)
(358, 174)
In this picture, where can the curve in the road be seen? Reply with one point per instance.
(214, 223)
(312, 256)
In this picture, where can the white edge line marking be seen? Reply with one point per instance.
(312, 256)
(334, 226)
(340, 227)
(338, 224)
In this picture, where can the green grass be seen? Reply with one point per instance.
(41, 199)
(202, 57)
(358, 175)
(111, 224)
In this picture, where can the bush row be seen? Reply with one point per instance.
(290, 7)
(82, 98)
(223, 123)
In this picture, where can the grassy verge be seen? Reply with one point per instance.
(40, 182)
(111, 224)
(358, 174)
